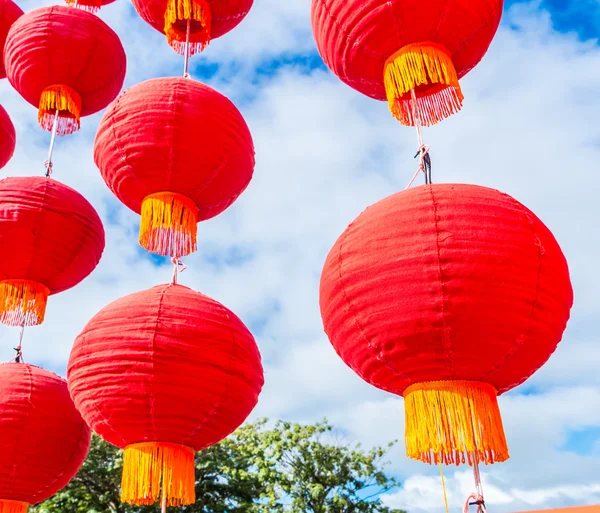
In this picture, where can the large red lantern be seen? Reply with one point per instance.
(207, 19)
(9, 13)
(65, 61)
(7, 138)
(177, 152)
(43, 439)
(447, 295)
(51, 238)
(164, 373)
(390, 48)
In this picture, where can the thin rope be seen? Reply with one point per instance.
(178, 267)
(48, 162)
(476, 497)
(423, 151)
(444, 486)
(19, 356)
(186, 61)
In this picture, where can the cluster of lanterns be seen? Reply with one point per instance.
(446, 294)
(162, 373)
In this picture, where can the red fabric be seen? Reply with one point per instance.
(63, 45)
(356, 37)
(9, 12)
(49, 233)
(43, 439)
(225, 14)
(446, 282)
(175, 135)
(166, 364)
(8, 138)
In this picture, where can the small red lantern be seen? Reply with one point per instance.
(164, 373)
(177, 152)
(89, 5)
(43, 439)
(9, 13)
(7, 138)
(393, 48)
(51, 238)
(65, 61)
(447, 295)
(208, 19)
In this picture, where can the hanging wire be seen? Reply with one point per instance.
(19, 356)
(48, 162)
(477, 497)
(186, 61)
(444, 486)
(423, 151)
(178, 267)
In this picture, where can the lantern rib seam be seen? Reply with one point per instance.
(446, 338)
(350, 309)
(227, 389)
(152, 395)
(519, 341)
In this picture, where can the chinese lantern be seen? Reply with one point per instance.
(9, 13)
(177, 152)
(164, 373)
(447, 295)
(43, 439)
(389, 49)
(51, 238)
(7, 138)
(208, 19)
(65, 61)
(88, 5)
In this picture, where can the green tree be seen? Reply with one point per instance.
(283, 468)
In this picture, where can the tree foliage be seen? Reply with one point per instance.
(280, 468)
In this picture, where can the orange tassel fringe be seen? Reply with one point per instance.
(448, 420)
(428, 69)
(68, 103)
(22, 303)
(86, 5)
(153, 468)
(176, 16)
(168, 224)
(13, 506)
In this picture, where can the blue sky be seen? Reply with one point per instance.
(529, 127)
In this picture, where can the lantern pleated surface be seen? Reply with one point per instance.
(209, 19)
(447, 295)
(7, 138)
(43, 439)
(66, 60)
(177, 152)
(387, 48)
(164, 373)
(9, 13)
(51, 238)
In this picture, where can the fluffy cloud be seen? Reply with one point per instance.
(324, 153)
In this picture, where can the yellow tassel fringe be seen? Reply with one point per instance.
(177, 14)
(86, 5)
(22, 302)
(68, 103)
(428, 69)
(168, 224)
(447, 421)
(13, 506)
(153, 468)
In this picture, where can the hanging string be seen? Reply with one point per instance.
(163, 508)
(48, 162)
(423, 151)
(19, 356)
(186, 61)
(444, 486)
(476, 497)
(178, 267)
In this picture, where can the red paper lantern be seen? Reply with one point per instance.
(43, 439)
(447, 295)
(66, 60)
(51, 238)
(89, 5)
(208, 19)
(388, 48)
(177, 152)
(7, 138)
(9, 13)
(164, 373)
